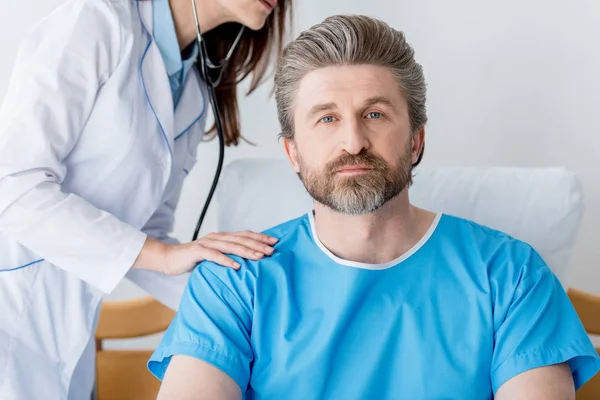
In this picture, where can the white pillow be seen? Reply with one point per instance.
(540, 206)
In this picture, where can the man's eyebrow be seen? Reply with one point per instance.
(379, 100)
(317, 108)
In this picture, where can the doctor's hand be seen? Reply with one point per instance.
(181, 258)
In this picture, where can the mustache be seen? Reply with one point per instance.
(366, 159)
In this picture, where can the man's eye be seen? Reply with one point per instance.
(326, 119)
(374, 115)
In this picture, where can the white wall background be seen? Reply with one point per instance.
(511, 83)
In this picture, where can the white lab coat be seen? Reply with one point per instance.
(92, 159)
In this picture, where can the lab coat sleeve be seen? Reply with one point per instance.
(60, 68)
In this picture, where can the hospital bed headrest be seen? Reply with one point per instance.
(541, 206)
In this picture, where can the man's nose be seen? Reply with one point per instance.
(355, 138)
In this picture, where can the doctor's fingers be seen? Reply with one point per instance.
(255, 241)
(184, 258)
(242, 248)
(259, 237)
(209, 254)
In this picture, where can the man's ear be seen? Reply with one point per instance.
(418, 146)
(290, 150)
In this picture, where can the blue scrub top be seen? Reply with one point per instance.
(165, 35)
(454, 318)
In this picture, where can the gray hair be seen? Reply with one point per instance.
(349, 40)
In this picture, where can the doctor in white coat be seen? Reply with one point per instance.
(98, 130)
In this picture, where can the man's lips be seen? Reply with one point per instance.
(354, 169)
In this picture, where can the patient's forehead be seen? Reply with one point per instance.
(347, 86)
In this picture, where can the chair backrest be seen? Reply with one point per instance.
(588, 309)
(122, 374)
(541, 206)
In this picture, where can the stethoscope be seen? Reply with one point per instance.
(212, 74)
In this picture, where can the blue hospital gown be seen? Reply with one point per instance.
(454, 318)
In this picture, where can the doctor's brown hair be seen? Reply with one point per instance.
(251, 56)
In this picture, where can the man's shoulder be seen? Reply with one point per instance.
(284, 230)
(489, 244)
(502, 254)
(462, 228)
(287, 234)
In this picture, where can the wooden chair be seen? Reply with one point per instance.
(588, 308)
(122, 374)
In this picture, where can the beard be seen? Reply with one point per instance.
(360, 194)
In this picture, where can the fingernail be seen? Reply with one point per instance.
(258, 254)
(273, 240)
(236, 265)
(268, 249)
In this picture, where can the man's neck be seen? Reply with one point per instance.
(375, 238)
(210, 15)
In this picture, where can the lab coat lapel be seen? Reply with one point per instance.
(155, 79)
(193, 105)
